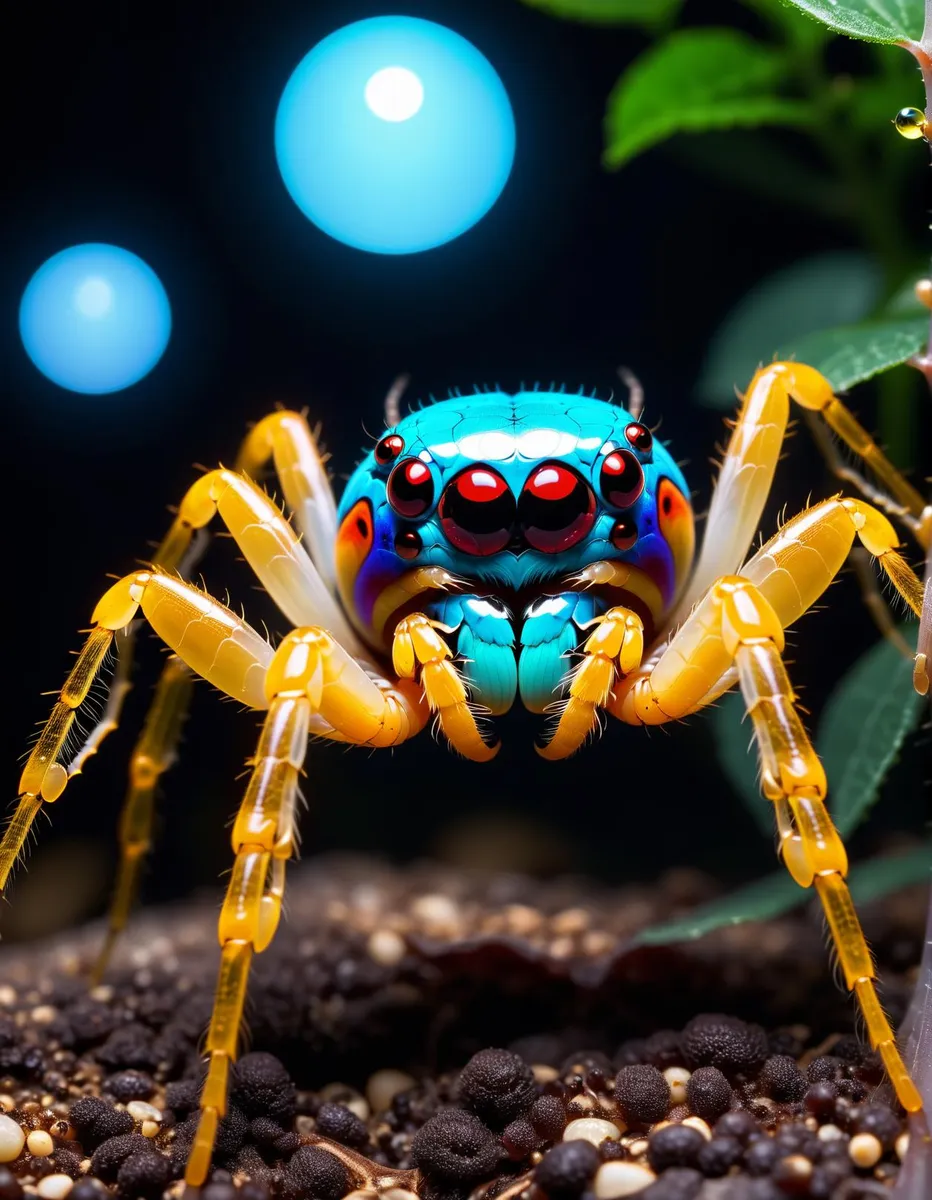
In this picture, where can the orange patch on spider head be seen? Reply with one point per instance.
(677, 525)
(354, 543)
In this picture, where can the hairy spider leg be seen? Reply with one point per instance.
(285, 438)
(740, 624)
(419, 652)
(615, 648)
(310, 674)
(281, 564)
(750, 462)
(923, 668)
(210, 639)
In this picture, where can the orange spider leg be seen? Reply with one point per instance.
(418, 650)
(740, 622)
(616, 647)
(286, 439)
(309, 674)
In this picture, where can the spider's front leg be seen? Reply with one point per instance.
(310, 678)
(739, 624)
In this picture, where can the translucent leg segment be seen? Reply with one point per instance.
(286, 438)
(614, 649)
(209, 638)
(310, 674)
(737, 623)
(153, 754)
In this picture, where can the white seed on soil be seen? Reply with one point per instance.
(798, 1166)
(615, 1179)
(140, 1111)
(149, 1128)
(383, 1086)
(677, 1078)
(54, 1187)
(12, 1139)
(591, 1129)
(435, 909)
(39, 1144)
(544, 1074)
(702, 1126)
(902, 1145)
(864, 1150)
(386, 947)
(829, 1133)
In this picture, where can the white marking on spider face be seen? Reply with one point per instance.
(551, 606)
(485, 608)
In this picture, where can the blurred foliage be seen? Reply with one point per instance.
(828, 310)
(852, 314)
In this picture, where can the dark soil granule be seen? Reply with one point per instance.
(567, 1169)
(643, 1094)
(497, 1085)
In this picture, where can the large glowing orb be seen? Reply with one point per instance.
(394, 135)
(95, 318)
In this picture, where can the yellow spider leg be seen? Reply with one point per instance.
(736, 623)
(310, 674)
(811, 849)
(286, 438)
(923, 666)
(616, 647)
(153, 754)
(211, 640)
(750, 461)
(792, 571)
(419, 650)
(811, 390)
(267, 542)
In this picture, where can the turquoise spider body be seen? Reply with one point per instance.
(512, 496)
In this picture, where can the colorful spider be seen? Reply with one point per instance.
(488, 547)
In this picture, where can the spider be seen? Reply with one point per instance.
(484, 544)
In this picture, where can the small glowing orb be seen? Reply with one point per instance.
(95, 318)
(394, 134)
(394, 93)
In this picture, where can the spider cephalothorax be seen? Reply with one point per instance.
(489, 547)
(507, 499)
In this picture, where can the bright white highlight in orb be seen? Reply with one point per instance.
(95, 318)
(394, 93)
(93, 297)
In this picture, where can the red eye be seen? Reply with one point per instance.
(556, 509)
(388, 449)
(639, 436)
(408, 544)
(477, 511)
(410, 488)
(624, 533)
(622, 479)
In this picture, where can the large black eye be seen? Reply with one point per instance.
(410, 488)
(477, 511)
(621, 479)
(556, 509)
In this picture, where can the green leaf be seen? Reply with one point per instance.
(695, 80)
(778, 893)
(864, 725)
(854, 353)
(649, 14)
(869, 20)
(736, 752)
(828, 289)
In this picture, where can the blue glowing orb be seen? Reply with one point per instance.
(95, 318)
(394, 135)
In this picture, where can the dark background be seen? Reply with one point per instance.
(151, 127)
